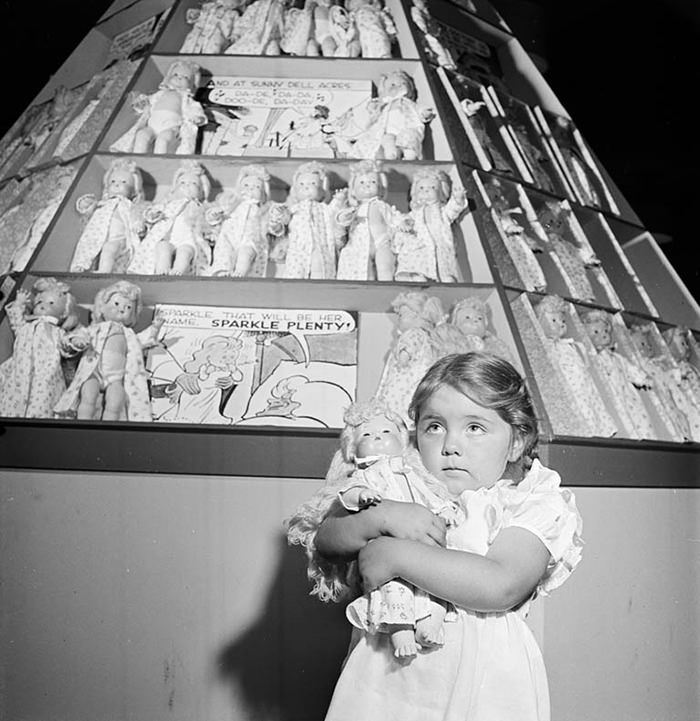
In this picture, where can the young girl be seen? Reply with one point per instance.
(475, 432)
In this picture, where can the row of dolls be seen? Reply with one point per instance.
(639, 381)
(353, 235)
(346, 29)
(389, 126)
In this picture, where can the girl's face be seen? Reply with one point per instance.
(119, 309)
(309, 186)
(49, 303)
(427, 191)
(252, 188)
(120, 184)
(600, 333)
(189, 186)
(367, 186)
(463, 444)
(377, 437)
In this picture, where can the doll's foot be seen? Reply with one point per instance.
(404, 643)
(430, 635)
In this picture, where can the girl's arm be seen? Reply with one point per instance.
(498, 581)
(343, 534)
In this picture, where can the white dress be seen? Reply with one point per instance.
(490, 668)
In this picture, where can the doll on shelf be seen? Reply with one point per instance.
(418, 315)
(574, 259)
(520, 245)
(664, 391)
(174, 243)
(341, 39)
(169, 118)
(212, 27)
(314, 234)
(259, 29)
(374, 25)
(115, 225)
(368, 253)
(688, 377)
(625, 379)
(374, 446)
(245, 225)
(32, 379)
(478, 117)
(393, 127)
(570, 358)
(437, 53)
(435, 206)
(110, 380)
(537, 161)
(298, 36)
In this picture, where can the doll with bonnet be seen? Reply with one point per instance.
(313, 231)
(375, 463)
(174, 243)
(245, 225)
(110, 380)
(368, 253)
(113, 230)
(32, 379)
(169, 118)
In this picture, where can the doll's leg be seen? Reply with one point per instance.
(87, 404)
(143, 139)
(328, 47)
(183, 260)
(312, 49)
(163, 140)
(384, 261)
(403, 640)
(391, 151)
(163, 257)
(244, 262)
(115, 401)
(397, 603)
(429, 630)
(109, 254)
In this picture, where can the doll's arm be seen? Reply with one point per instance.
(148, 337)
(356, 497)
(75, 342)
(86, 204)
(498, 581)
(17, 310)
(192, 15)
(456, 204)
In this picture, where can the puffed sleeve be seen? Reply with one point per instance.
(541, 506)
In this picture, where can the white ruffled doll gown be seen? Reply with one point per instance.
(490, 668)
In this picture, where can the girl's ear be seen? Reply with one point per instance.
(516, 448)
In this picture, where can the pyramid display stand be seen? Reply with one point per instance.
(544, 220)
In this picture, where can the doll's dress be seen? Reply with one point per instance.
(180, 227)
(398, 116)
(24, 251)
(205, 406)
(535, 159)
(574, 265)
(186, 122)
(622, 377)
(476, 119)
(521, 253)
(397, 602)
(662, 396)
(313, 236)
(117, 210)
(433, 226)
(354, 257)
(375, 30)
(581, 175)
(408, 360)
(259, 27)
(298, 29)
(95, 363)
(686, 388)
(569, 357)
(490, 666)
(211, 31)
(343, 35)
(31, 379)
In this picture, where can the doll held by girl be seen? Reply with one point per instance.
(114, 227)
(32, 379)
(476, 433)
(110, 381)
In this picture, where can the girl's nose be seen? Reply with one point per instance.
(451, 446)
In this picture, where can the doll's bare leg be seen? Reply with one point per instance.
(164, 257)
(115, 401)
(182, 264)
(430, 630)
(89, 393)
(354, 49)
(403, 640)
(312, 49)
(108, 255)
(164, 139)
(143, 139)
(391, 151)
(328, 47)
(244, 262)
(384, 261)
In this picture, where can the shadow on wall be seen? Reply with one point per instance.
(285, 665)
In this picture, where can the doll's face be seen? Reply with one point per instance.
(600, 333)
(180, 78)
(189, 185)
(471, 321)
(253, 188)
(367, 186)
(680, 346)
(394, 84)
(119, 309)
(51, 304)
(643, 344)
(408, 318)
(377, 437)
(427, 191)
(121, 184)
(309, 186)
(554, 324)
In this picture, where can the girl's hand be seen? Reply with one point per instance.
(412, 522)
(375, 562)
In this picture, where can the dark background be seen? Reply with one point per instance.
(627, 73)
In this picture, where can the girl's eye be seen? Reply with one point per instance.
(433, 428)
(475, 428)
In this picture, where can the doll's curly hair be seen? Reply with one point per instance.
(192, 166)
(127, 166)
(51, 286)
(444, 185)
(122, 287)
(313, 167)
(367, 167)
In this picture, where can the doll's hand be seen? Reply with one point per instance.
(376, 562)
(411, 521)
(140, 103)
(23, 298)
(153, 214)
(214, 216)
(368, 497)
(192, 15)
(85, 204)
(427, 114)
